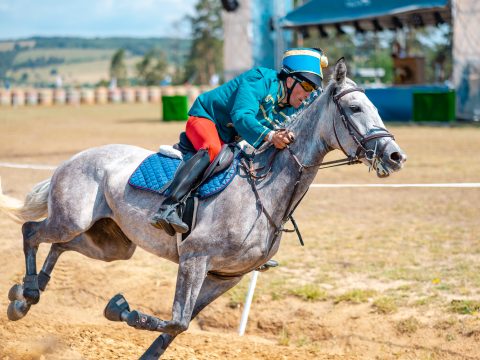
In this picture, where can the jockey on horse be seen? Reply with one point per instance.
(250, 106)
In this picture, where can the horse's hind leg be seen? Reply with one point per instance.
(103, 241)
(19, 306)
(44, 275)
(31, 292)
(27, 294)
(34, 233)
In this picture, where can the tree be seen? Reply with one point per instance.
(435, 44)
(334, 47)
(152, 68)
(206, 53)
(118, 69)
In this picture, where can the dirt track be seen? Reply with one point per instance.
(387, 241)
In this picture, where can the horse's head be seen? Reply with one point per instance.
(357, 128)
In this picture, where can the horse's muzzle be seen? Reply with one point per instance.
(390, 161)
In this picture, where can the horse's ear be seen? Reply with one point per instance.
(340, 71)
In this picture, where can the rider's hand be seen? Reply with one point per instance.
(282, 138)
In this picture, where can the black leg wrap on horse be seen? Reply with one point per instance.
(155, 350)
(30, 282)
(31, 292)
(43, 279)
(142, 321)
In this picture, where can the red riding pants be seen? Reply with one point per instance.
(203, 134)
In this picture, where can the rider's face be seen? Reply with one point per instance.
(298, 93)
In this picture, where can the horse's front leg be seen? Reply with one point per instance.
(212, 288)
(192, 271)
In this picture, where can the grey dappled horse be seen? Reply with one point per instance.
(91, 209)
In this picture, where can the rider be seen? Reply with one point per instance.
(252, 106)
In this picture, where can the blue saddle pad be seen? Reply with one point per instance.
(157, 170)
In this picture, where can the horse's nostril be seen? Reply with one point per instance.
(398, 157)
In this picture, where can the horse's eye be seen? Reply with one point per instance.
(355, 108)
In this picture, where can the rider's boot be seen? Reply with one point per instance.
(186, 176)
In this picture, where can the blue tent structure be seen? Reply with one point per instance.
(395, 102)
(388, 13)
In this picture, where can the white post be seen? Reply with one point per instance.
(248, 302)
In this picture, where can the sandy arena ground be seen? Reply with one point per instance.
(382, 274)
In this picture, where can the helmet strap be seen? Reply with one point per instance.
(290, 90)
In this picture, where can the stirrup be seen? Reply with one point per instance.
(162, 226)
(269, 264)
(167, 219)
(176, 222)
(159, 219)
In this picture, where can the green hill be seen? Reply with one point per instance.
(80, 61)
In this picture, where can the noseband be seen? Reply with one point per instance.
(361, 140)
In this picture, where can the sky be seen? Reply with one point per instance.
(94, 18)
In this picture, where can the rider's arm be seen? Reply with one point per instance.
(251, 91)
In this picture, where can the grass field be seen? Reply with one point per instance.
(386, 273)
(69, 55)
(75, 73)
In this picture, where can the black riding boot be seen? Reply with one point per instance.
(186, 176)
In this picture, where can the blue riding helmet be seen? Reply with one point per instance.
(305, 63)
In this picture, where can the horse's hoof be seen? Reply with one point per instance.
(117, 308)
(16, 293)
(32, 296)
(17, 309)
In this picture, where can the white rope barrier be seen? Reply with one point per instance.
(439, 185)
(27, 166)
(432, 185)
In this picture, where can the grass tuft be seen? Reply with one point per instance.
(385, 305)
(310, 292)
(465, 307)
(355, 296)
(407, 326)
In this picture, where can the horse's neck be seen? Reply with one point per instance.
(281, 190)
(310, 145)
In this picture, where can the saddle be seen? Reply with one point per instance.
(156, 171)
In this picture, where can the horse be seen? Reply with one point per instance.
(87, 206)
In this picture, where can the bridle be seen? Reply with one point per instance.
(371, 155)
(361, 152)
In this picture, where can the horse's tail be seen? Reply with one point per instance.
(34, 207)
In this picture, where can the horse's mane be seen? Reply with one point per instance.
(318, 102)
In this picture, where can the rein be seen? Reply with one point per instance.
(361, 152)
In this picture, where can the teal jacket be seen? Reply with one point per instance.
(246, 106)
